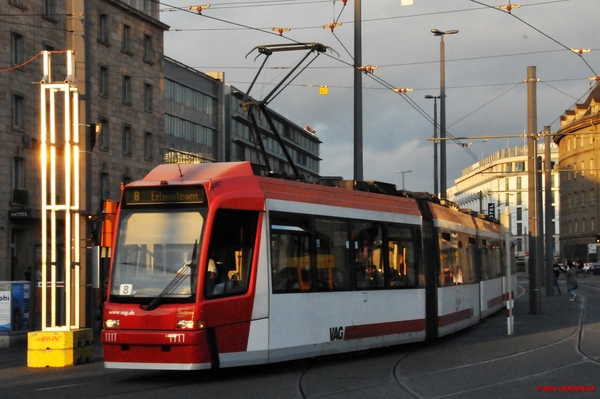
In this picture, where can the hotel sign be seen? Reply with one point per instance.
(19, 215)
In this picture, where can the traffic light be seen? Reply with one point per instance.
(598, 237)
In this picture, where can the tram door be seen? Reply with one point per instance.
(227, 287)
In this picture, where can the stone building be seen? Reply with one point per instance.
(119, 76)
(579, 151)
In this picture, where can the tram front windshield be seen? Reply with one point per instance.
(156, 255)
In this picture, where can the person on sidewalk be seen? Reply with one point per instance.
(556, 274)
(572, 280)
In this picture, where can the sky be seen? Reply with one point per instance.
(486, 65)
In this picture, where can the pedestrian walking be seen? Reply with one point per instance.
(572, 280)
(556, 274)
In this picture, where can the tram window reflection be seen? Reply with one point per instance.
(404, 267)
(368, 238)
(290, 253)
(332, 254)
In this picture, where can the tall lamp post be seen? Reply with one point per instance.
(435, 152)
(441, 34)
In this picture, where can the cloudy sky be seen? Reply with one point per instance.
(486, 65)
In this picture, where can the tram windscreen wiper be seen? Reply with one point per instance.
(181, 274)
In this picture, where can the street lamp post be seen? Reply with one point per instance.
(403, 173)
(435, 152)
(441, 34)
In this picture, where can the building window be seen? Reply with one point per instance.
(520, 166)
(519, 182)
(18, 3)
(148, 49)
(18, 49)
(50, 10)
(519, 198)
(127, 140)
(103, 28)
(506, 184)
(519, 229)
(519, 214)
(18, 112)
(103, 82)
(148, 146)
(148, 97)
(126, 179)
(507, 199)
(104, 138)
(104, 187)
(126, 89)
(18, 177)
(126, 44)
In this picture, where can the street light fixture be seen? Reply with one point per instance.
(403, 173)
(441, 34)
(435, 152)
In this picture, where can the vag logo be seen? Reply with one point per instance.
(336, 333)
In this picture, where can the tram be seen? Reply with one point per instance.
(214, 266)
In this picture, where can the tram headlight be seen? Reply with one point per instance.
(185, 324)
(111, 323)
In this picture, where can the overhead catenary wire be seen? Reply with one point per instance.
(379, 80)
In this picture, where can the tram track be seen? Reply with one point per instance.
(577, 335)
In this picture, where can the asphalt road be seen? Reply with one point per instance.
(556, 354)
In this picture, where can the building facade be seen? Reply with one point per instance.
(118, 74)
(206, 122)
(499, 182)
(579, 150)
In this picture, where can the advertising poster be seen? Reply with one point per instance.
(4, 308)
(20, 306)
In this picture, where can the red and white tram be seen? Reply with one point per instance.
(216, 267)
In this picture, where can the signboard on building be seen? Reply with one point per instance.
(491, 210)
(592, 248)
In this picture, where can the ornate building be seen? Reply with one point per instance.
(579, 151)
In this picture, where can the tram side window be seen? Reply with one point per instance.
(332, 254)
(403, 262)
(449, 259)
(491, 259)
(486, 260)
(290, 254)
(368, 260)
(458, 253)
(230, 253)
(497, 256)
(469, 260)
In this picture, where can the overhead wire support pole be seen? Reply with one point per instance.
(548, 213)
(535, 303)
(358, 122)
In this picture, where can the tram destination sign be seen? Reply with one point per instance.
(164, 195)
